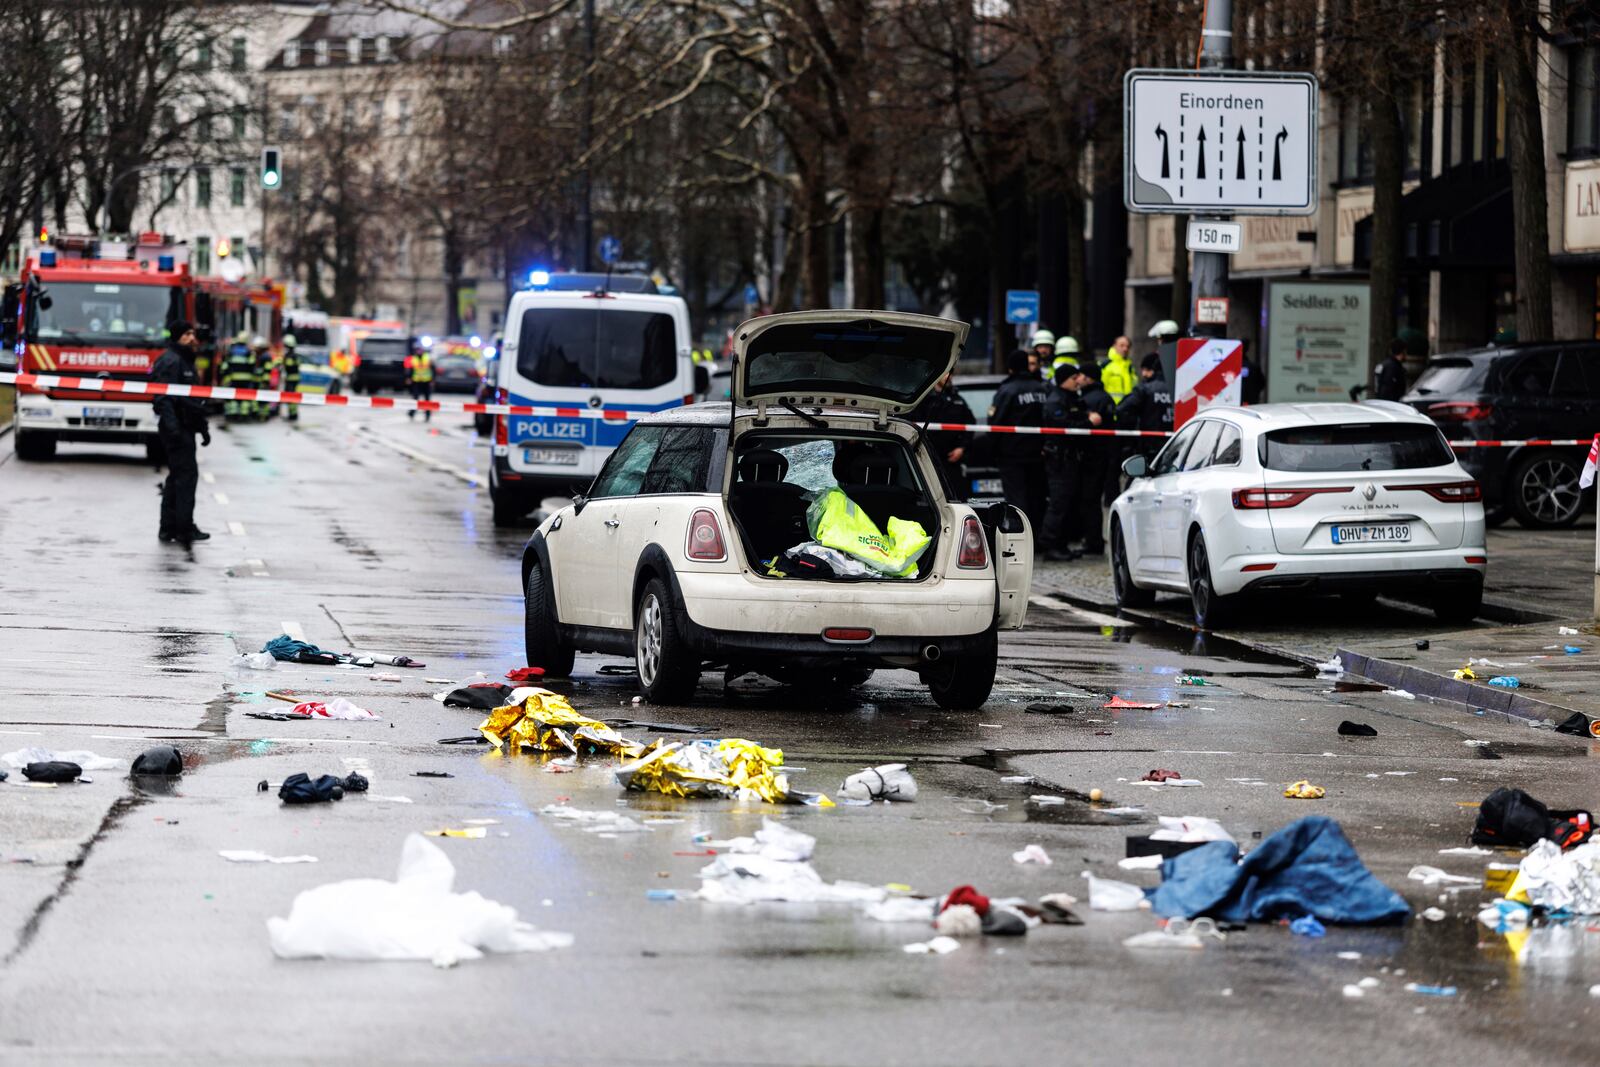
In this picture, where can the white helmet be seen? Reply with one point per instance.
(258, 341)
(1041, 337)
(289, 341)
(1067, 346)
(1165, 328)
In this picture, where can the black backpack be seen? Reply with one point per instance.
(1513, 819)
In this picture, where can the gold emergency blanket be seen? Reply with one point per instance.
(547, 723)
(730, 768)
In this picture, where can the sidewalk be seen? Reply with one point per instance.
(1539, 581)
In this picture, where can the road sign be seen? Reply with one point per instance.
(1211, 310)
(1224, 141)
(610, 249)
(1210, 235)
(752, 295)
(1209, 371)
(1022, 305)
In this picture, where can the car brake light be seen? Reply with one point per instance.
(1281, 497)
(846, 633)
(974, 553)
(1459, 411)
(1258, 567)
(1451, 492)
(705, 537)
(1481, 560)
(502, 431)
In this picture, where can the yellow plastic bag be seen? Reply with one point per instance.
(1304, 790)
(547, 723)
(839, 523)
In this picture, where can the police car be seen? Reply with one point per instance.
(597, 346)
(677, 553)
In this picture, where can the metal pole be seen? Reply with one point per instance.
(586, 190)
(1211, 268)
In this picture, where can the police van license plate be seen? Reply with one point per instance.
(1366, 535)
(987, 486)
(560, 457)
(102, 416)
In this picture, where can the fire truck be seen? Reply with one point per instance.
(224, 309)
(92, 308)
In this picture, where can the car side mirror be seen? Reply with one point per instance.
(1135, 467)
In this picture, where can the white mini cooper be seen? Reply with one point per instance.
(680, 553)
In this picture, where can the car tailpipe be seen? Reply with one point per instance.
(930, 653)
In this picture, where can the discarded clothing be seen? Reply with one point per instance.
(58, 771)
(415, 917)
(1308, 926)
(480, 696)
(82, 757)
(162, 760)
(338, 708)
(1160, 775)
(1356, 729)
(835, 521)
(1050, 709)
(1308, 867)
(303, 789)
(545, 722)
(1304, 790)
(1578, 725)
(1506, 681)
(289, 650)
(1032, 854)
(732, 768)
(524, 674)
(889, 782)
(355, 783)
(1512, 818)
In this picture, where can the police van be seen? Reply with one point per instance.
(592, 344)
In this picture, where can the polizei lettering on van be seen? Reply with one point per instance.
(549, 430)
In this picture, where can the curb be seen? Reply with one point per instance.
(1441, 687)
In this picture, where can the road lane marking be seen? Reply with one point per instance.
(1094, 617)
(236, 528)
(222, 498)
(208, 478)
(422, 458)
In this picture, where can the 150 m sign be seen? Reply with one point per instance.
(1232, 142)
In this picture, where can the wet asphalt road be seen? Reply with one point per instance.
(125, 938)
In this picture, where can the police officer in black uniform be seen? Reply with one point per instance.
(1148, 407)
(1020, 401)
(178, 420)
(944, 404)
(1389, 379)
(1099, 462)
(1062, 457)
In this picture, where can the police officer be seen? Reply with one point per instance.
(1389, 379)
(291, 374)
(238, 372)
(1065, 410)
(1099, 462)
(419, 371)
(178, 420)
(944, 404)
(1149, 406)
(1020, 401)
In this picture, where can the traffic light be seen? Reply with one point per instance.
(271, 168)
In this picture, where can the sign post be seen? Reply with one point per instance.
(1022, 306)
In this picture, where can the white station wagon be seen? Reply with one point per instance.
(1354, 499)
(674, 556)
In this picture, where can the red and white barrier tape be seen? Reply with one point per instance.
(400, 403)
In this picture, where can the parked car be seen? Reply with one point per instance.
(1512, 393)
(1300, 498)
(983, 474)
(456, 373)
(380, 362)
(671, 555)
(487, 392)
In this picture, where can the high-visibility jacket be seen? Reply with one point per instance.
(1117, 375)
(421, 368)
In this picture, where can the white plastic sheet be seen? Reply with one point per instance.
(1189, 828)
(414, 917)
(891, 781)
(89, 761)
(1557, 880)
(1107, 894)
(756, 878)
(246, 855)
(774, 840)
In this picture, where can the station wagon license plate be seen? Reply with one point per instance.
(102, 416)
(1366, 535)
(560, 457)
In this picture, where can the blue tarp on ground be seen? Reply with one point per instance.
(1307, 868)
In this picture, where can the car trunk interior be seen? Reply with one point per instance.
(777, 474)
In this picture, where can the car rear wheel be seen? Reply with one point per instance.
(963, 682)
(1128, 594)
(1544, 491)
(541, 632)
(668, 670)
(1211, 609)
(1460, 605)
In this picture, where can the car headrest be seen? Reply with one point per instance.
(863, 463)
(763, 465)
(872, 470)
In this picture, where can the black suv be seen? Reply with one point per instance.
(1546, 390)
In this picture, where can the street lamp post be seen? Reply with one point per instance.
(1211, 268)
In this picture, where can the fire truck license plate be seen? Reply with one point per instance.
(102, 416)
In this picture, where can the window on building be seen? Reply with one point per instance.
(348, 112)
(375, 114)
(381, 48)
(1355, 144)
(169, 118)
(169, 57)
(236, 186)
(319, 52)
(202, 54)
(239, 248)
(240, 59)
(202, 255)
(288, 120)
(1583, 101)
(352, 50)
(504, 43)
(402, 114)
(241, 120)
(202, 187)
(169, 186)
(291, 54)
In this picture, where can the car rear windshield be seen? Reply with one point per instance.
(597, 349)
(309, 336)
(384, 349)
(1451, 376)
(1380, 447)
(867, 357)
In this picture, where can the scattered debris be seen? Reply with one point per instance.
(256, 661)
(546, 722)
(1433, 915)
(1050, 709)
(1422, 645)
(415, 917)
(1106, 894)
(1510, 817)
(889, 782)
(938, 946)
(774, 841)
(1401, 693)
(1464, 674)
(1160, 775)
(731, 768)
(1032, 854)
(602, 822)
(1432, 876)
(1304, 790)
(473, 832)
(524, 674)
(1308, 926)
(754, 878)
(657, 727)
(431, 774)
(1332, 666)
(1356, 729)
(303, 789)
(1177, 933)
(1506, 681)
(1117, 702)
(338, 708)
(1150, 862)
(85, 759)
(1431, 990)
(252, 856)
(1567, 631)
(56, 772)
(158, 761)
